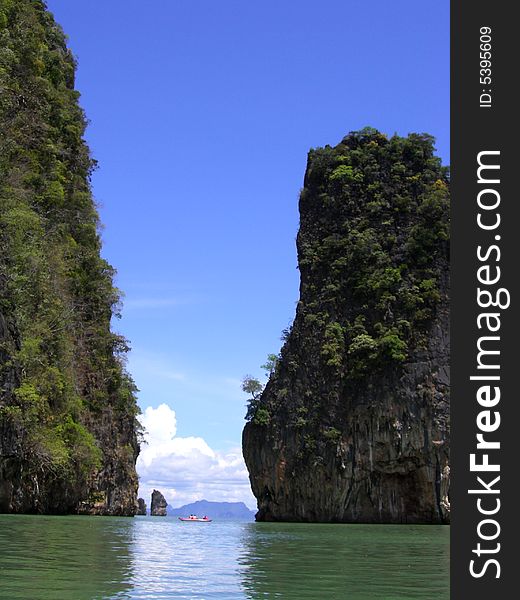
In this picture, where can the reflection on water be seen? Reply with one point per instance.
(64, 558)
(185, 560)
(99, 558)
(344, 562)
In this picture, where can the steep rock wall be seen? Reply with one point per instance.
(68, 428)
(353, 425)
(158, 504)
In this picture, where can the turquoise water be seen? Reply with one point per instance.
(86, 558)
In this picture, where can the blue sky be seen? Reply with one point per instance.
(201, 115)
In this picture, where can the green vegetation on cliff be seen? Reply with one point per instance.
(371, 249)
(384, 207)
(67, 406)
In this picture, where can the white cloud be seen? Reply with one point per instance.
(186, 469)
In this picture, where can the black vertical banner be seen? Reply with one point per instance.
(485, 271)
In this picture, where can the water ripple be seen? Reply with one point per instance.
(89, 558)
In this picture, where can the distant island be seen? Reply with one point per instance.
(222, 511)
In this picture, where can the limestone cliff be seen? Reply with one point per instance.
(141, 506)
(353, 425)
(158, 504)
(68, 428)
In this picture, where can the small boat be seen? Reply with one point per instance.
(196, 519)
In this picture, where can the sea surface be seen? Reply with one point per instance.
(86, 558)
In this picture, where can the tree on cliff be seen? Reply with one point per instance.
(253, 387)
(270, 364)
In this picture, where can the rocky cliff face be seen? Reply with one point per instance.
(141, 506)
(68, 428)
(158, 504)
(353, 425)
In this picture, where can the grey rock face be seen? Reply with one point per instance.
(141, 504)
(158, 505)
(346, 432)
